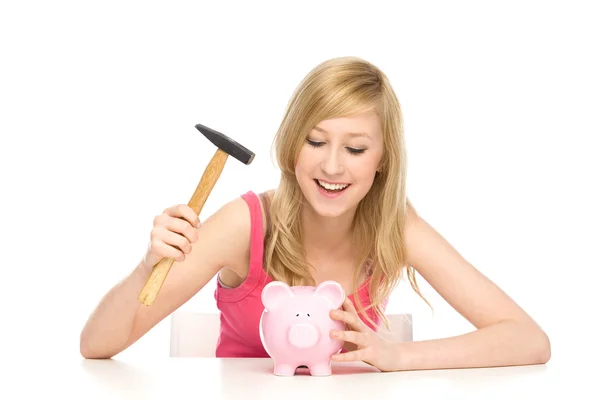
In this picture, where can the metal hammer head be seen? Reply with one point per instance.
(227, 144)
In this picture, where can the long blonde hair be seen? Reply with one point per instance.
(340, 87)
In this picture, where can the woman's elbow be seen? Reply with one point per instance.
(545, 352)
(540, 342)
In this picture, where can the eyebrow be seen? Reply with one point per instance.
(353, 134)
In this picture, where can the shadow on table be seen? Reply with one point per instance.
(340, 368)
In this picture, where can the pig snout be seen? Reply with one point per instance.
(303, 335)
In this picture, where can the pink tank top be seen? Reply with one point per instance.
(241, 307)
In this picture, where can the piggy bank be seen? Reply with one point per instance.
(295, 326)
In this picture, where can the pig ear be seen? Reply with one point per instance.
(333, 291)
(274, 294)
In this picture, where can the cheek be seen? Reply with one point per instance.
(302, 162)
(301, 171)
(367, 167)
(299, 165)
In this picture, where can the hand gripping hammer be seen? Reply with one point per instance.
(225, 147)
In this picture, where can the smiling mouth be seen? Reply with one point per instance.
(329, 188)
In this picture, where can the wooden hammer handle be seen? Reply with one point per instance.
(160, 271)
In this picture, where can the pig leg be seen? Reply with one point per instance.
(282, 369)
(320, 369)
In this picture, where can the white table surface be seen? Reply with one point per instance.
(212, 378)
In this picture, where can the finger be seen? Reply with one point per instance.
(358, 338)
(182, 227)
(174, 239)
(350, 319)
(164, 250)
(356, 355)
(349, 306)
(184, 212)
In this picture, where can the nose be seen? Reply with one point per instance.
(331, 164)
(303, 336)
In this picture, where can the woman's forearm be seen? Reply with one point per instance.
(109, 326)
(503, 344)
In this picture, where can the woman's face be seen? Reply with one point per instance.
(338, 162)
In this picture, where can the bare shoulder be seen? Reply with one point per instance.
(431, 255)
(228, 232)
(421, 238)
(223, 241)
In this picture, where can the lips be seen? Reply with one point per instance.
(331, 194)
(331, 186)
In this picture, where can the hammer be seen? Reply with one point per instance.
(225, 147)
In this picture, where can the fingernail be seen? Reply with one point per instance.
(335, 334)
(198, 224)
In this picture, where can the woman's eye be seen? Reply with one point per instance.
(355, 151)
(313, 143)
(350, 149)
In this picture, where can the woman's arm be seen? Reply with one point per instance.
(119, 319)
(505, 334)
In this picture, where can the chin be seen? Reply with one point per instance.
(329, 212)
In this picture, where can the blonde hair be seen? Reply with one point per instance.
(340, 87)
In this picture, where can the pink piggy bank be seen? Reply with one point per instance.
(295, 326)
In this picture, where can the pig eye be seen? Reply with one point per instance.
(297, 315)
(308, 315)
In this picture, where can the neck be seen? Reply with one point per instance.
(326, 237)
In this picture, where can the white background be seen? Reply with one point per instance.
(99, 102)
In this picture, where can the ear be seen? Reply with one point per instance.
(333, 291)
(274, 294)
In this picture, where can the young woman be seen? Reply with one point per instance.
(339, 213)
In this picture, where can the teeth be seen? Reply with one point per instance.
(332, 187)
